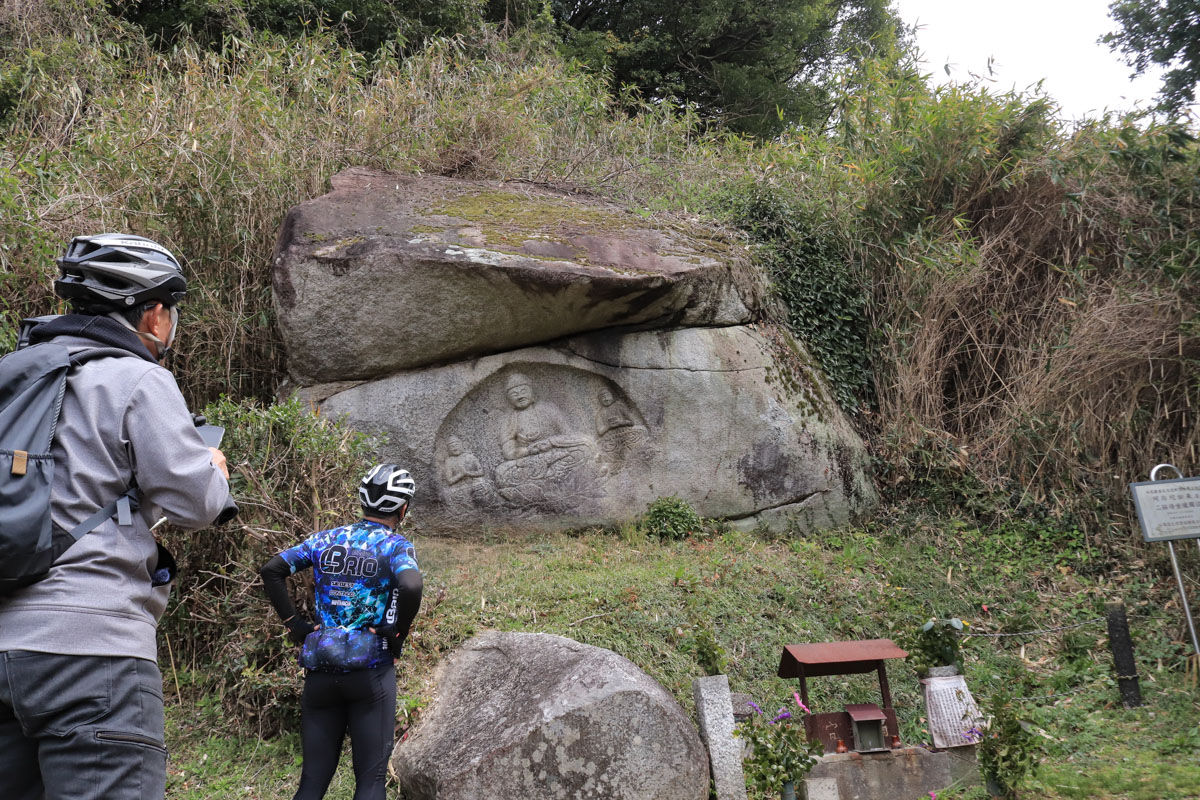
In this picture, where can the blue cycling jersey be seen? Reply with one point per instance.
(352, 572)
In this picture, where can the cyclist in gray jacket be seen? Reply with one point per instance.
(81, 708)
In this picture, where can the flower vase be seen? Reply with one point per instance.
(789, 791)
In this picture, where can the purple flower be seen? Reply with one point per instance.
(781, 715)
(754, 705)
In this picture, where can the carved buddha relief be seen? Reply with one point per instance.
(546, 462)
(464, 478)
(538, 440)
(618, 433)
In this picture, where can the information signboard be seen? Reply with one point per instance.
(1168, 510)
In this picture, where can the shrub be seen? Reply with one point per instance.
(363, 24)
(1031, 287)
(671, 518)
(779, 752)
(824, 300)
(1008, 749)
(935, 644)
(708, 651)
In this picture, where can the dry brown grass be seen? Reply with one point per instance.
(1045, 361)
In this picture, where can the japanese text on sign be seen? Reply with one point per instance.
(953, 715)
(1168, 510)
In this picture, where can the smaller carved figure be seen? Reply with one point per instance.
(464, 477)
(619, 434)
(460, 465)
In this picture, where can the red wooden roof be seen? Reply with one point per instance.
(836, 658)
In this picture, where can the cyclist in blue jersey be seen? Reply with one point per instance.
(367, 590)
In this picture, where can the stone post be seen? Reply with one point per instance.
(715, 713)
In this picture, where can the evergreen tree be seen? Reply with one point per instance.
(1162, 32)
(754, 66)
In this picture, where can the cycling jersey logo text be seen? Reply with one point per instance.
(390, 617)
(338, 560)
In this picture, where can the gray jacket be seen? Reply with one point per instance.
(123, 419)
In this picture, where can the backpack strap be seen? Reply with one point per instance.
(90, 353)
(122, 508)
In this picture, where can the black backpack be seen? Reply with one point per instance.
(33, 380)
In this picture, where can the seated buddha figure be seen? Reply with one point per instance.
(538, 446)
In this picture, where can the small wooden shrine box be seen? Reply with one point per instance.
(867, 727)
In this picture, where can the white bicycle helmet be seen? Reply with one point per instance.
(117, 271)
(386, 489)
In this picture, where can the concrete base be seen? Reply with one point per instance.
(964, 765)
(820, 789)
(902, 773)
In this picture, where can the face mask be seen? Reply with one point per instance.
(165, 349)
(174, 327)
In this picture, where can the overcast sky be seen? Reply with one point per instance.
(1030, 40)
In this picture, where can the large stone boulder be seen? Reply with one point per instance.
(531, 716)
(538, 359)
(593, 429)
(391, 272)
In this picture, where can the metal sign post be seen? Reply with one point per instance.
(1169, 510)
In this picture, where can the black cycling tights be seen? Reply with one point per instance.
(363, 702)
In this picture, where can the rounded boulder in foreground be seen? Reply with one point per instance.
(532, 715)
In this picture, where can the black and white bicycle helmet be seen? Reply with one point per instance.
(113, 271)
(386, 489)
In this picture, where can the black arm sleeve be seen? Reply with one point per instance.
(274, 576)
(407, 599)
